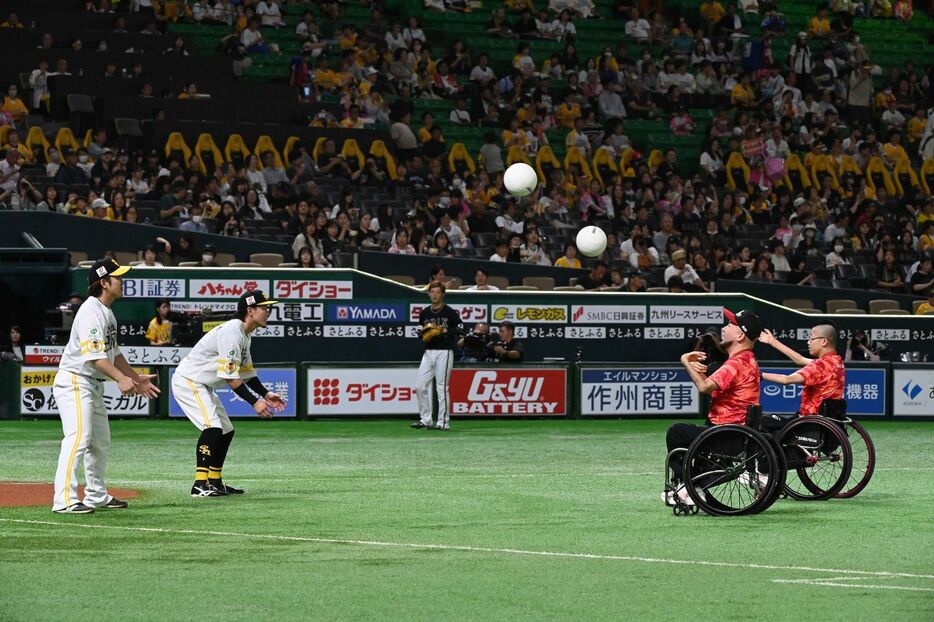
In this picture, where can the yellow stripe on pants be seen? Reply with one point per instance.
(204, 412)
(74, 448)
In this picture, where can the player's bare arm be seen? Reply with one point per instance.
(693, 363)
(783, 379)
(768, 338)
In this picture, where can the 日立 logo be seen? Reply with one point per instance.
(911, 391)
(326, 392)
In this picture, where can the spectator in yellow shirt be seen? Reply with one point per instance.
(893, 151)
(712, 12)
(742, 94)
(885, 98)
(348, 38)
(567, 113)
(424, 132)
(159, 332)
(172, 10)
(325, 77)
(569, 259)
(926, 241)
(520, 5)
(13, 105)
(819, 26)
(926, 307)
(916, 125)
(12, 21)
(353, 121)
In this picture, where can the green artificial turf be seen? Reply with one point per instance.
(520, 487)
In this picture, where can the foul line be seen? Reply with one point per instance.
(834, 582)
(474, 549)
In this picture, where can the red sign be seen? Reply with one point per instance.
(508, 392)
(43, 355)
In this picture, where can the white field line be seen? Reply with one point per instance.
(835, 582)
(475, 549)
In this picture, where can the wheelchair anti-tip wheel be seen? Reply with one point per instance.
(819, 458)
(864, 459)
(731, 470)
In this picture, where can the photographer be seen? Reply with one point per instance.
(862, 348)
(475, 345)
(508, 349)
(159, 332)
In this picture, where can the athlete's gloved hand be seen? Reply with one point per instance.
(430, 331)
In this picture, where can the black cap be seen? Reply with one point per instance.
(748, 321)
(253, 298)
(105, 267)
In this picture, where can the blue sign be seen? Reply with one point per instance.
(638, 391)
(864, 392)
(281, 380)
(368, 313)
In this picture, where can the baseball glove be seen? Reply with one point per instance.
(430, 331)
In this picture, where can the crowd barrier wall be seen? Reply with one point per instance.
(362, 390)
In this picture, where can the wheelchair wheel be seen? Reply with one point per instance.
(722, 467)
(819, 458)
(864, 459)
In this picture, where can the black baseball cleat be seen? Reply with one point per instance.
(203, 489)
(230, 490)
(76, 508)
(418, 425)
(116, 504)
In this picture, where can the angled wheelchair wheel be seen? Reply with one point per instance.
(864, 459)
(731, 470)
(819, 458)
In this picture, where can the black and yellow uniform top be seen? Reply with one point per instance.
(445, 317)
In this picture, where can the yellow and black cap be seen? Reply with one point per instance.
(106, 267)
(253, 298)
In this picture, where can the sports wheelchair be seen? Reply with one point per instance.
(732, 470)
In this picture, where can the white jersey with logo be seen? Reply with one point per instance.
(222, 354)
(93, 337)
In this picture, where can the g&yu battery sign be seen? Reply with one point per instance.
(508, 392)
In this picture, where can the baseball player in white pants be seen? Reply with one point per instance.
(440, 324)
(91, 357)
(222, 358)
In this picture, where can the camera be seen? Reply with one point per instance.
(58, 323)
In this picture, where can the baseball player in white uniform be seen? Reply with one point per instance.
(222, 357)
(91, 357)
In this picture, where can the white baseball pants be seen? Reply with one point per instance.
(436, 365)
(81, 408)
(200, 404)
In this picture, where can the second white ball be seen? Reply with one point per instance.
(591, 241)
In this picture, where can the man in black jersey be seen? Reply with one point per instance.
(439, 327)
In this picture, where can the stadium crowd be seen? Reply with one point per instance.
(813, 168)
